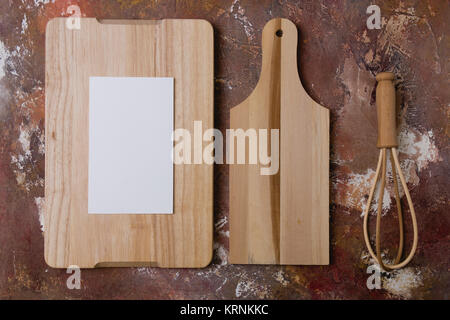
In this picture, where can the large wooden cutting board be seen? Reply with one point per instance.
(282, 218)
(182, 49)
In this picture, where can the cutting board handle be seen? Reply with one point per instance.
(279, 51)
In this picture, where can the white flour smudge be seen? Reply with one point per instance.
(24, 139)
(24, 24)
(244, 288)
(219, 226)
(222, 254)
(147, 271)
(22, 160)
(402, 282)
(225, 234)
(279, 276)
(239, 14)
(39, 2)
(221, 223)
(419, 147)
(4, 54)
(40, 203)
(386, 199)
(416, 151)
(358, 184)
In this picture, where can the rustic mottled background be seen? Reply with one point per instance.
(338, 58)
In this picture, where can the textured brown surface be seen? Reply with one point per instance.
(337, 61)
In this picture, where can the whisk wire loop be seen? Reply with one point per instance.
(381, 169)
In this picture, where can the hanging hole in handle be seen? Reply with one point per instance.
(279, 33)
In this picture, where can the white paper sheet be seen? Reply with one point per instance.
(130, 145)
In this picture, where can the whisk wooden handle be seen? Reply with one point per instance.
(387, 133)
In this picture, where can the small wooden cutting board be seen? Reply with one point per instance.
(282, 218)
(179, 49)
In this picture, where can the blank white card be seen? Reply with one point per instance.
(130, 145)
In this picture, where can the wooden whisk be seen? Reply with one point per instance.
(387, 139)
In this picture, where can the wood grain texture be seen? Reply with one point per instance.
(182, 49)
(386, 112)
(283, 218)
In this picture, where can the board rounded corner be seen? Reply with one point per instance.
(52, 264)
(51, 22)
(206, 261)
(208, 25)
